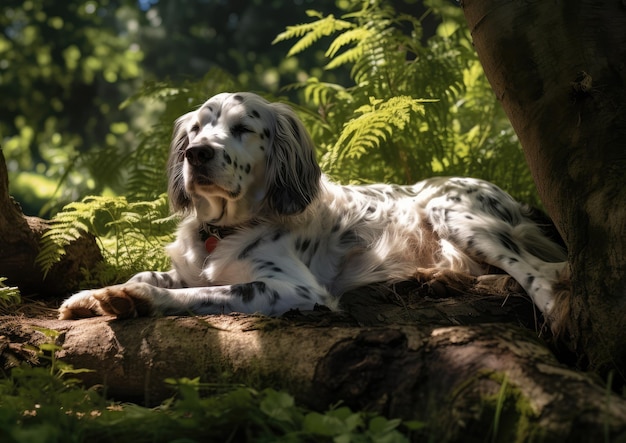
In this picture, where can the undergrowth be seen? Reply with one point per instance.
(9, 295)
(130, 234)
(48, 405)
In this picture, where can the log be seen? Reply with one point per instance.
(455, 372)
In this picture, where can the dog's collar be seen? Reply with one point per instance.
(218, 232)
(211, 235)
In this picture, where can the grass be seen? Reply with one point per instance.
(498, 410)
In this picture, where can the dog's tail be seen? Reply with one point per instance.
(542, 239)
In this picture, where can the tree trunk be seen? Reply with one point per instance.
(558, 69)
(464, 381)
(19, 246)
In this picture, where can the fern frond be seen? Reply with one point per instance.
(350, 56)
(320, 93)
(309, 33)
(300, 29)
(345, 38)
(380, 59)
(376, 124)
(9, 295)
(156, 90)
(130, 234)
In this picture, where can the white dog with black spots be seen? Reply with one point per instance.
(264, 231)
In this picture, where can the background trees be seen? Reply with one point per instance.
(64, 68)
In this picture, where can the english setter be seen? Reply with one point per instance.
(264, 231)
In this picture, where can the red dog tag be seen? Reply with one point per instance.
(210, 244)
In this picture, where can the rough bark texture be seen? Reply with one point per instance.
(558, 69)
(451, 377)
(19, 246)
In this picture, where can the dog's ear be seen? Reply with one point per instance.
(293, 174)
(179, 200)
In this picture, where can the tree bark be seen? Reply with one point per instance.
(19, 246)
(558, 69)
(451, 377)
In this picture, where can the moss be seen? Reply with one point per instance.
(488, 408)
(509, 414)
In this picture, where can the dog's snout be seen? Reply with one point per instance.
(199, 154)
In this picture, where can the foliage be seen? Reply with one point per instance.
(63, 66)
(9, 295)
(44, 405)
(131, 235)
(374, 125)
(417, 106)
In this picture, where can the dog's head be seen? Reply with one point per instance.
(239, 156)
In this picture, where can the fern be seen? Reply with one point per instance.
(375, 125)
(309, 33)
(322, 93)
(9, 295)
(130, 234)
(457, 129)
(351, 55)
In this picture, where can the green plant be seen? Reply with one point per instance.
(131, 235)
(417, 107)
(498, 409)
(9, 295)
(42, 405)
(508, 414)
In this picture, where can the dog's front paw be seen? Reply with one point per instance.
(80, 305)
(123, 301)
(128, 300)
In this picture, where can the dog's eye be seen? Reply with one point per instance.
(194, 129)
(239, 130)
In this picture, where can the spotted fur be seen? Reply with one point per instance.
(245, 168)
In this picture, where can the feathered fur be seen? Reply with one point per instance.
(264, 231)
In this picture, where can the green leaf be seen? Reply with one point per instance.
(277, 405)
(309, 33)
(9, 295)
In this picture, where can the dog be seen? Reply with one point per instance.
(264, 231)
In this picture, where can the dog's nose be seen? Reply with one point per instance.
(199, 154)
